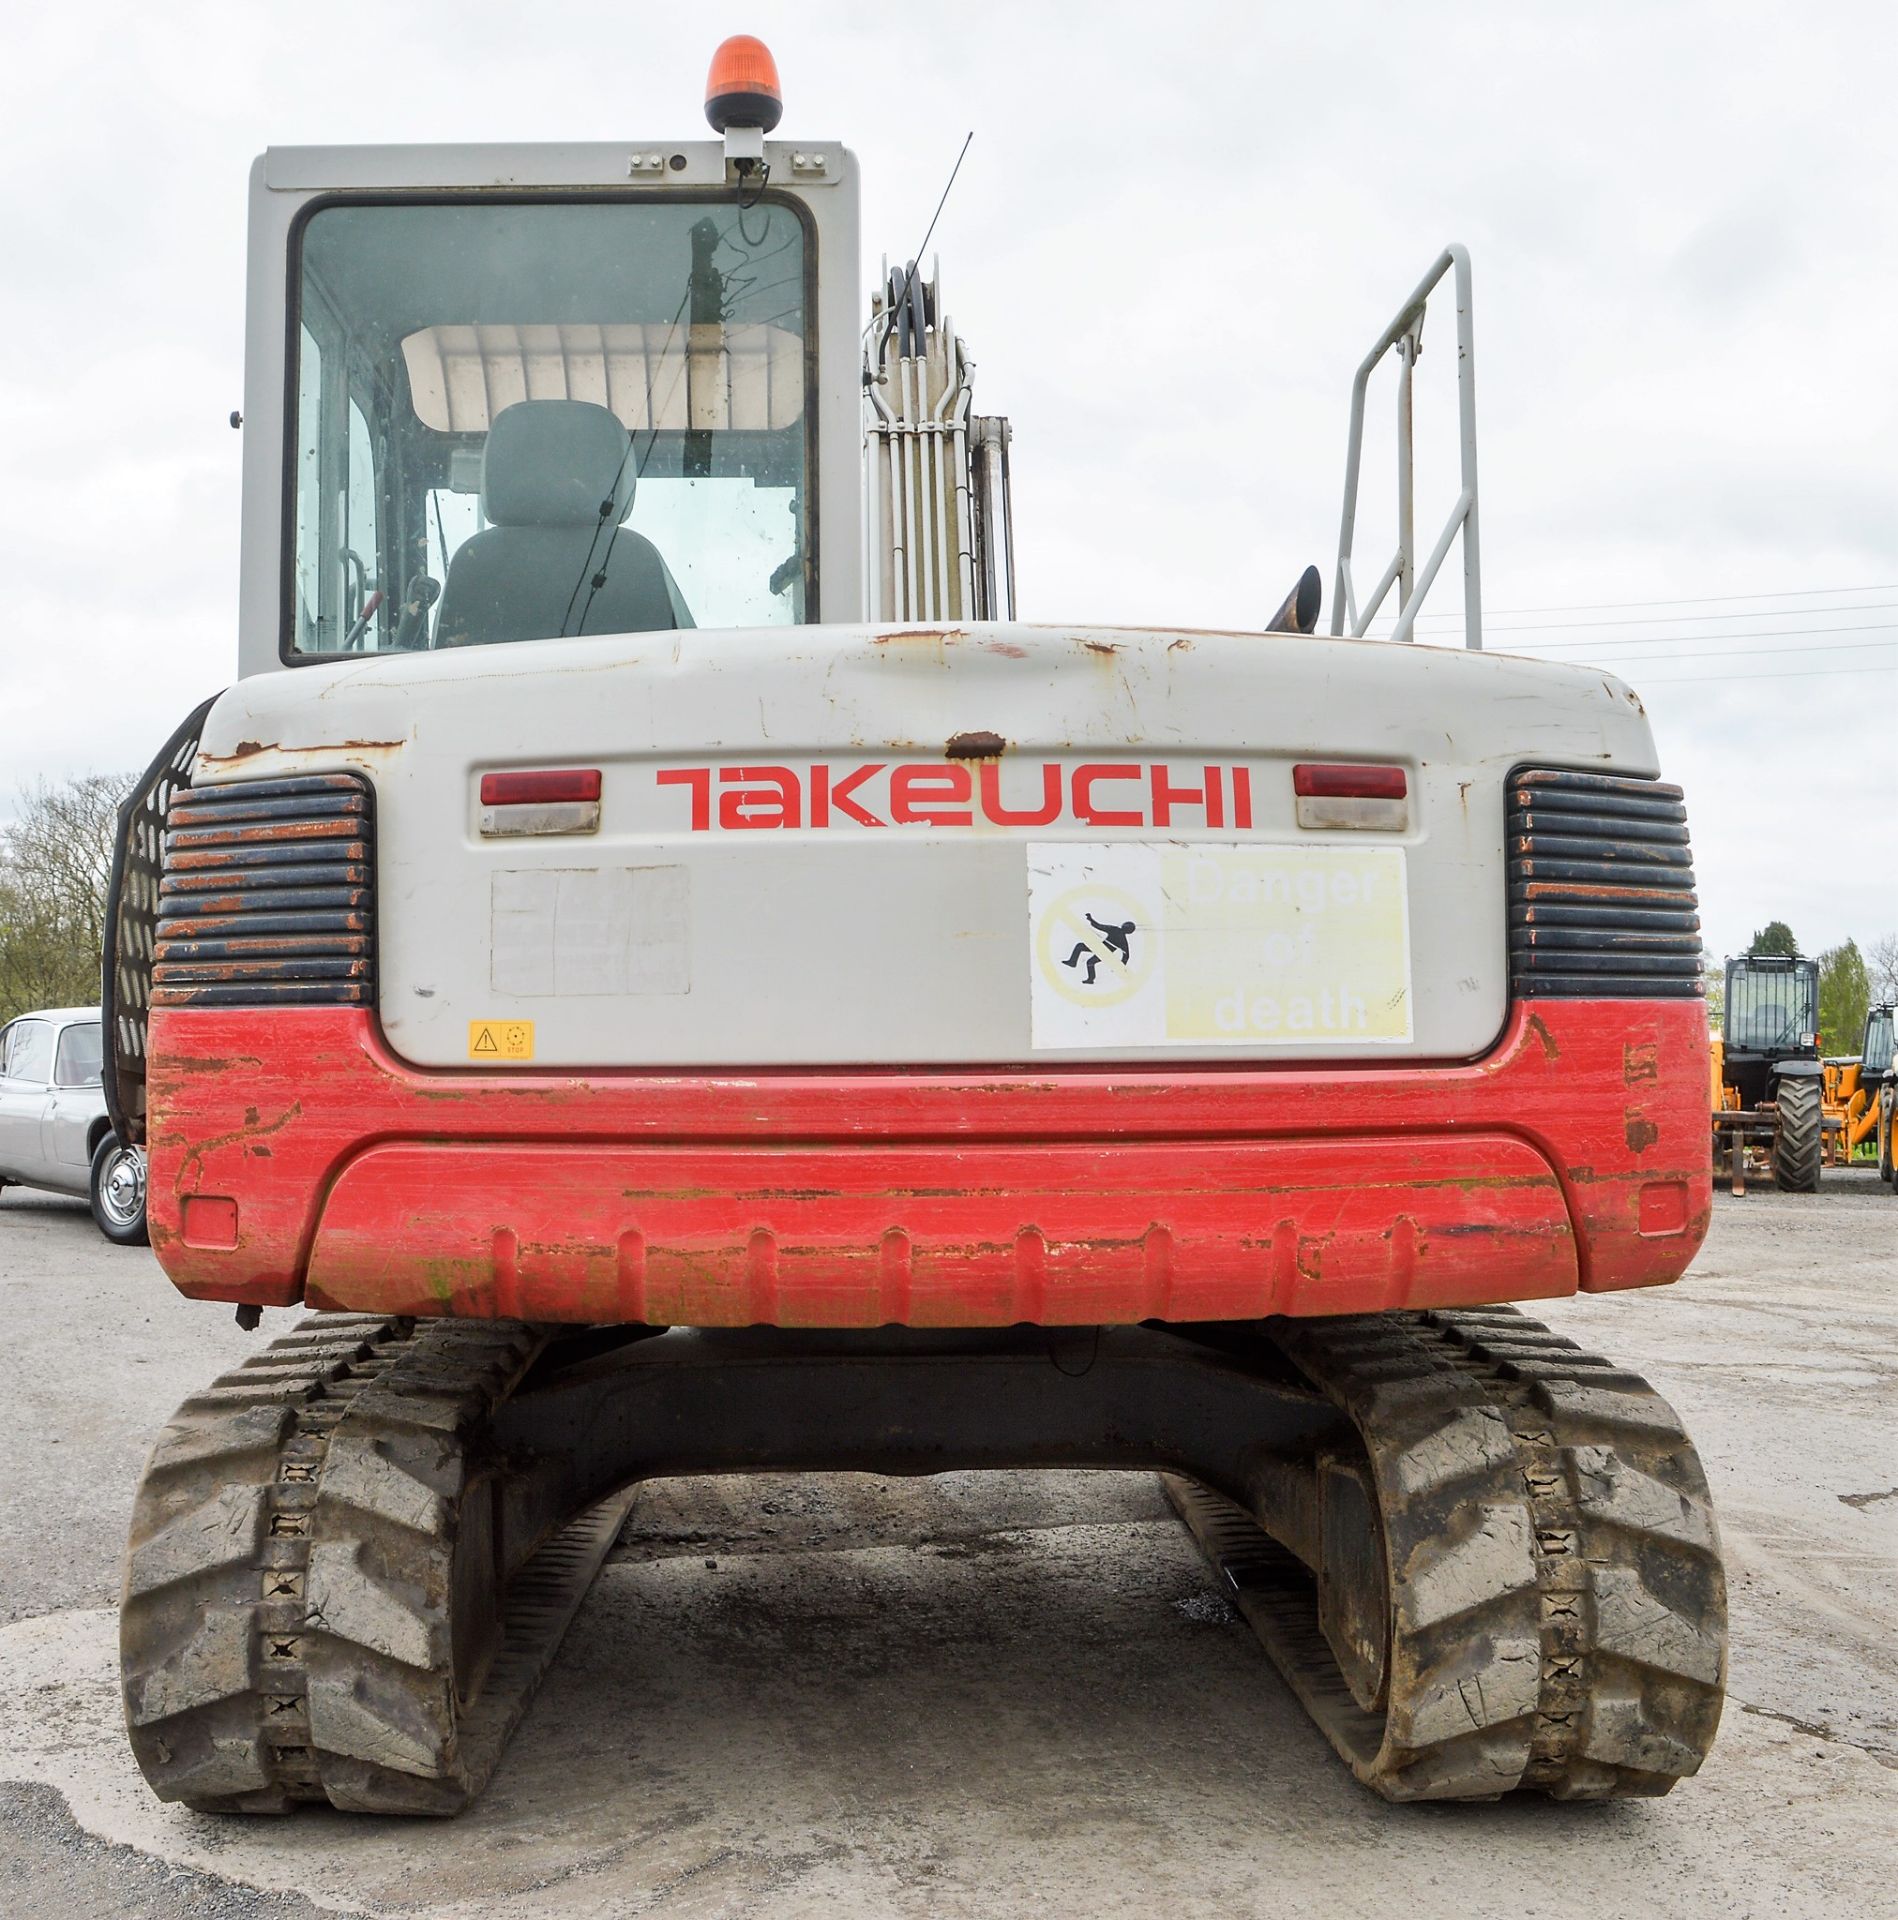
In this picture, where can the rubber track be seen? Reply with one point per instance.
(1558, 1604)
(286, 1626)
(1799, 1138)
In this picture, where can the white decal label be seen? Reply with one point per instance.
(570, 932)
(1133, 944)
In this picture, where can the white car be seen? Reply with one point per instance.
(54, 1129)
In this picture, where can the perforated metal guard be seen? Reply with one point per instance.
(131, 920)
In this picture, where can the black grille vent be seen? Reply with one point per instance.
(1601, 888)
(268, 895)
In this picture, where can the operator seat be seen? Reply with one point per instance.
(528, 574)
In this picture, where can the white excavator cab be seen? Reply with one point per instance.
(465, 404)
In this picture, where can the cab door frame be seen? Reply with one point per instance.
(72, 1112)
(23, 1105)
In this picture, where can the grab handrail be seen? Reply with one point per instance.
(1405, 334)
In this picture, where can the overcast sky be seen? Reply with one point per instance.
(1177, 230)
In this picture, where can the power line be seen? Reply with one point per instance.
(1721, 653)
(1694, 600)
(1659, 639)
(1727, 679)
(1695, 619)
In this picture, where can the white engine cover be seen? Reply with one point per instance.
(837, 846)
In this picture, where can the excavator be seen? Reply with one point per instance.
(669, 975)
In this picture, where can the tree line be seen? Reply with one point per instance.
(55, 863)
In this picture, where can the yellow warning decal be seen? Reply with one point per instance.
(500, 1039)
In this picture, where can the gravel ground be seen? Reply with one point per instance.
(986, 1695)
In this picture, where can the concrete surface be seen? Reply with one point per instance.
(986, 1696)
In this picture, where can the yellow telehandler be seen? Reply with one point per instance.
(1768, 1080)
(1851, 1087)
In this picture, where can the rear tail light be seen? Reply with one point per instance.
(541, 800)
(540, 788)
(1352, 796)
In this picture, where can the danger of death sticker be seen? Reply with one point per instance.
(1134, 944)
(496, 1040)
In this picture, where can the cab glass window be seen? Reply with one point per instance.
(1769, 1006)
(1878, 1045)
(522, 421)
(29, 1053)
(308, 594)
(79, 1058)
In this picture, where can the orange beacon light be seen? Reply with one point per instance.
(742, 88)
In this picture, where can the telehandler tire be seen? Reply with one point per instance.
(1798, 1138)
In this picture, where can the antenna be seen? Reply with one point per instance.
(915, 259)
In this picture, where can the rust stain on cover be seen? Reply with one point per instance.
(1539, 1027)
(980, 745)
(196, 1152)
(249, 749)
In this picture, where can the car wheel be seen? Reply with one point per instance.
(117, 1192)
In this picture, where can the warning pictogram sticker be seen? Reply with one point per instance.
(494, 1040)
(1197, 943)
(1095, 945)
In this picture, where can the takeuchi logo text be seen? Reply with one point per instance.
(881, 793)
